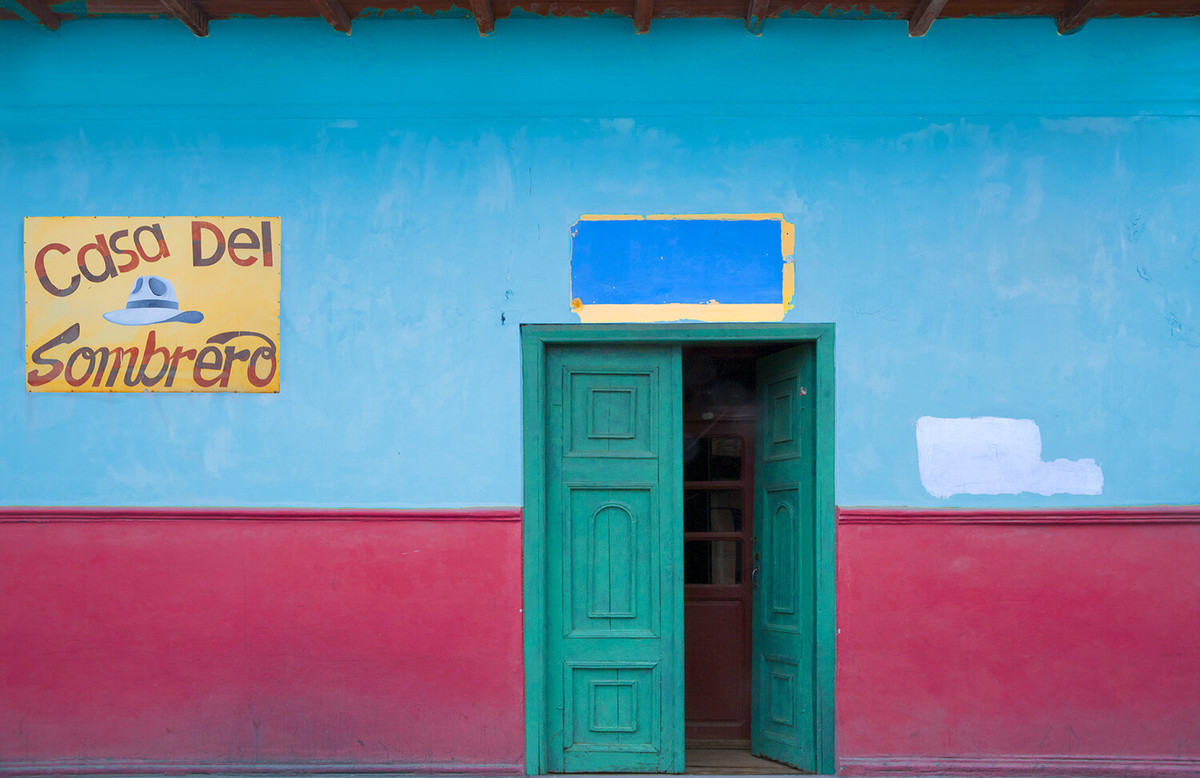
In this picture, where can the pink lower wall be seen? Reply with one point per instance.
(996, 643)
(382, 640)
(1019, 643)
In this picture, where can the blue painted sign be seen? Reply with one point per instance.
(649, 261)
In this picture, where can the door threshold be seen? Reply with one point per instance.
(689, 772)
(741, 744)
(728, 761)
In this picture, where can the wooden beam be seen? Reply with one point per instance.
(484, 18)
(643, 12)
(190, 13)
(46, 17)
(1076, 13)
(923, 16)
(756, 11)
(334, 13)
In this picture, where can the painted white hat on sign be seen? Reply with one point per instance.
(152, 301)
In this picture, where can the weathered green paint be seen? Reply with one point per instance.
(533, 365)
(614, 591)
(783, 725)
(824, 525)
(537, 341)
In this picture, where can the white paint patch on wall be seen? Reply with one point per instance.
(991, 455)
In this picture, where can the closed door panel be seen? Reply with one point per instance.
(614, 598)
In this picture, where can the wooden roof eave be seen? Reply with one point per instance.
(1068, 15)
(42, 13)
(191, 14)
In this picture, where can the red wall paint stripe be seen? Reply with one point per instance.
(1181, 514)
(55, 513)
(247, 645)
(119, 767)
(1158, 514)
(1033, 642)
(1016, 766)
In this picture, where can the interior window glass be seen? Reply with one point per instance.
(712, 459)
(717, 510)
(712, 562)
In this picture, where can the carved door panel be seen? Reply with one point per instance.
(782, 725)
(613, 529)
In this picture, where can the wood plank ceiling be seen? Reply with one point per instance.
(1069, 15)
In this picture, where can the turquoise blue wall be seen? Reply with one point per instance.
(1000, 221)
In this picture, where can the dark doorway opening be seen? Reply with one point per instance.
(720, 569)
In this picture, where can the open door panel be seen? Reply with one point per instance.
(782, 719)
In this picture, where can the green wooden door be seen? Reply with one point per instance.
(782, 719)
(614, 605)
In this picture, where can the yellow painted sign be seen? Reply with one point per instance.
(160, 304)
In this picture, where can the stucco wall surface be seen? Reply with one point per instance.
(1018, 649)
(149, 646)
(998, 220)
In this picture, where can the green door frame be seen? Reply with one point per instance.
(535, 338)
